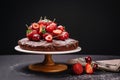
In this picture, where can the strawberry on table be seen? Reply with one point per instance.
(89, 68)
(77, 68)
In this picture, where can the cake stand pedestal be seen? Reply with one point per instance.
(48, 65)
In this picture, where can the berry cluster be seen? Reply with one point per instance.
(89, 67)
(47, 30)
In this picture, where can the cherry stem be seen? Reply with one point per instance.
(26, 26)
(41, 18)
(45, 17)
(54, 20)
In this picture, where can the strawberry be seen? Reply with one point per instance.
(57, 32)
(30, 33)
(36, 37)
(42, 29)
(61, 27)
(88, 68)
(35, 26)
(63, 36)
(77, 68)
(50, 28)
(49, 38)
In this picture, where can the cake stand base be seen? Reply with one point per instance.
(48, 65)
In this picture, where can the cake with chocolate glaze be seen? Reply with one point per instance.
(45, 35)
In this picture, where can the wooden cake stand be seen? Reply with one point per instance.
(48, 65)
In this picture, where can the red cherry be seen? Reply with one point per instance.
(57, 32)
(49, 38)
(35, 26)
(63, 36)
(61, 27)
(88, 59)
(50, 28)
(30, 33)
(77, 68)
(36, 37)
(45, 22)
(44, 35)
(88, 68)
(95, 66)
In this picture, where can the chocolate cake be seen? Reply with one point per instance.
(46, 35)
(55, 45)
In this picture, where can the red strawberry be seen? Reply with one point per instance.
(35, 26)
(88, 68)
(61, 27)
(42, 29)
(30, 33)
(50, 28)
(77, 68)
(57, 32)
(63, 36)
(36, 37)
(49, 38)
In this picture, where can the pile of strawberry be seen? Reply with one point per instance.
(90, 67)
(47, 30)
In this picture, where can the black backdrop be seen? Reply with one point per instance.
(94, 23)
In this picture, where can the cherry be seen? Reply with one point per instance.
(50, 28)
(88, 59)
(30, 33)
(61, 27)
(95, 66)
(63, 36)
(36, 37)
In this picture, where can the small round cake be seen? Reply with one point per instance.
(46, 35)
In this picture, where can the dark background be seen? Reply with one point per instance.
(94, 23)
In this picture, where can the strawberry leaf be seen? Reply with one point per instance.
(28, 31)
(43, 30)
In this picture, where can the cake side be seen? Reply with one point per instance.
(55, 45)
